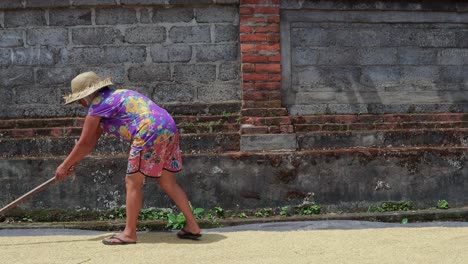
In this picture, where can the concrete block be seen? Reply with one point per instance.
(305, 56)
(194, 73)
(309, 109)
(195, 34)
(347, 109)
(309, 36)
(229, 71)
(338, 56)
(69, 17)
(11, 38)
(381, 76)
(437, 38)
(226, 33)
(95, 36)
(420, 75)
(346, 35)
(99, 56)
(143, 2)
(170, 93)
(14, 76)
(5, 57)
(422, 37)
(174, 14)
(11, 4)
(218, 52)
(55, 76)
(315, 97)
(214, 14)
(453, 57)
(116, 16)
(28, 95)
(190, 2)
(306, 75)
(461, 38)
(268, 142)
(145, 35)
(378, 56)
(149, 73)
(216, 92)
(34, 56)
(145, 15)
(226, 1)
(453, 74)
(47, 4)
(24, 18)
(93, 2)
(329, 78)
(417, 56)
(47, 36)
(172, 53)
(117, 74)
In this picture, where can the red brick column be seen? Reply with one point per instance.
(260, 53)
(261, 68)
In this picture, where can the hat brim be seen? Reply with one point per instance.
(89, 90)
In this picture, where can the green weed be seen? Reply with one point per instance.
(391, 206)
(442, 204)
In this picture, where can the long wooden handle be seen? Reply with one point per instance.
(27, 195)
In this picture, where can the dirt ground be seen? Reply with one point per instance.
(383, 245)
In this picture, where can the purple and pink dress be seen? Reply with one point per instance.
(131, 116)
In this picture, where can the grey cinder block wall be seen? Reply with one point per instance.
(172, 51)
(374, 56)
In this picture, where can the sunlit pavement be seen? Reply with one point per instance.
(285, 242)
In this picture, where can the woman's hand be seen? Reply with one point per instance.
(63, 171)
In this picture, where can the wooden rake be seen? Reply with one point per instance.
(28, 195)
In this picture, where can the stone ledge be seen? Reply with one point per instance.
(429, 215)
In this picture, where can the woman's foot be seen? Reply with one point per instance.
(184, 234)
(119, 239)
(190, 232)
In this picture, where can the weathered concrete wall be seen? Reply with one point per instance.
(341, 180)
(374, 56)
(171, 53)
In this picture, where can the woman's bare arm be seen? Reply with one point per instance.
(88, 139)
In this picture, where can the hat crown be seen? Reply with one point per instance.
(85, 84)
(84, 81)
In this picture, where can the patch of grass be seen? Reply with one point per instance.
(219, 211)
(391, 206)
(443, 204)
(175, 221)
(310, 209)
(284, 211)
(264, 212)
(242, 215)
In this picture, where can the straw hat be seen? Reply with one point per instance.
(85, 84)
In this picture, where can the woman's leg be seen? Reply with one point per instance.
(168, 183)
(134, 198)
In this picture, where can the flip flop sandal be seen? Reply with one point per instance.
(122, 242)
(188, 235)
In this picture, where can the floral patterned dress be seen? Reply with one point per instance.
(131, 116)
